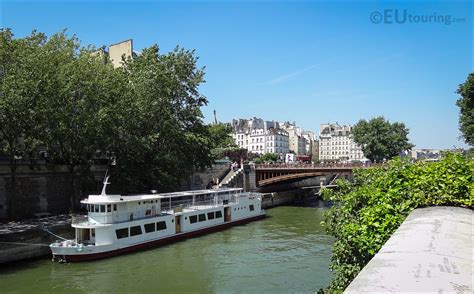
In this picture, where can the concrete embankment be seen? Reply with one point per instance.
(281, 198)
(29, 239)
(432, 251)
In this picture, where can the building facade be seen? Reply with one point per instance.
(277, 141)
(297, 142)
(122, 49)
(336, 144)
(259, 136)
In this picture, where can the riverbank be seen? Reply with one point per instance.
(30, 239)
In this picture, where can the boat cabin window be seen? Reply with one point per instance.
(136, 230)
(210, 215)
(193, 219)
(102, 208)
(121, 233)
(149, 228)
(251, 207)
(96, 208)
(160, 226)
(115, 207)
(218, 214)
(202, 217)
(109, 208)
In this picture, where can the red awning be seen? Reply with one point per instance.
(303, 157)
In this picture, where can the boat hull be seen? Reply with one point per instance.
(153, 243)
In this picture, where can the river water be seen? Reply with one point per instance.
(287, 252)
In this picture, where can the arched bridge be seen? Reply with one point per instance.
(266, 174)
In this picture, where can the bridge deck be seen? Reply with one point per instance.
(321, 167)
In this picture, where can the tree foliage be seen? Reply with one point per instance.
(466, 109)
(220, 135)
(233, 153)
(267, 158)
(70, 101)
(20, 90)
(381, 139)
(159, 135)
(367, 212)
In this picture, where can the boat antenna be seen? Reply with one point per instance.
(106, 182)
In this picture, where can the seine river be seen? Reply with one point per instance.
(287, 252)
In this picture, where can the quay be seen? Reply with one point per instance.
(30, 239)
(432, 251)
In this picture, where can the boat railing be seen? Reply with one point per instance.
(79, 219)
(166, 208)
(206, 203)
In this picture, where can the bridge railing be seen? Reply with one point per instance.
(316, 166)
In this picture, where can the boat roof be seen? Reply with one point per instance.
(96, 199)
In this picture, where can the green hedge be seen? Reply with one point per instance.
(368, 211)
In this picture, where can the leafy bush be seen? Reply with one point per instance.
(266, 158)
(368, 211)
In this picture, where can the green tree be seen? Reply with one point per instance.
(20, 88)
(466, 109)
(70, 100)
(159, 136)
(381, 139)
(220, 137)
(267, 157)
(79, 86)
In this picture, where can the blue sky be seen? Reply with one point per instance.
(309, 62)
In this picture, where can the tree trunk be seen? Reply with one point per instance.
(72, 197)
(11, 192)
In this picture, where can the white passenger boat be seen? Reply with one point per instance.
(118, 224)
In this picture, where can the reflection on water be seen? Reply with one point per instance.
(286, 252)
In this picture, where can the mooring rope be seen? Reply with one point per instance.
(47, 231)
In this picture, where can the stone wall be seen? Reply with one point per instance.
(200, 179)
(45, 188)
(41, 189)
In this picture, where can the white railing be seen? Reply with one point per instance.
(166, 208)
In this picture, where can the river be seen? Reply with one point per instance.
(287, 252)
